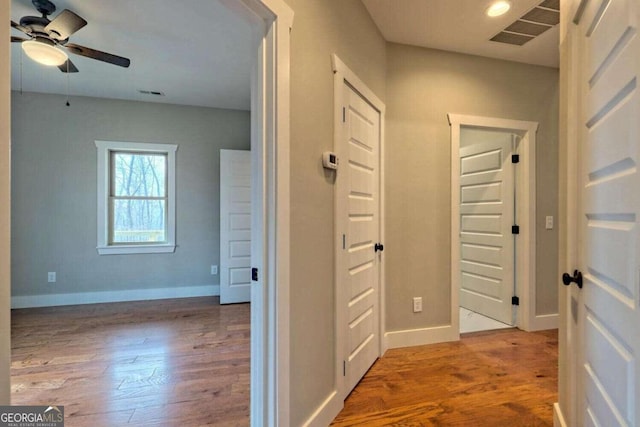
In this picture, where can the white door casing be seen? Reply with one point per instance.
(235, 226)
(608, 312)
(270, 206)
(358, 145)
(486, 217)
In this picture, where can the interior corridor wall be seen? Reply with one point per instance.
(423, 85)
(321, 27)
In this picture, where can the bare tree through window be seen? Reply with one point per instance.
(138, 197)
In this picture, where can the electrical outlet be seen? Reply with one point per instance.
(214, 270)
(51, 277)
(548, 223)
(417, 304)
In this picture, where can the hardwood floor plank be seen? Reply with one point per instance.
(171, 362)
(501, 378)
(186, 362)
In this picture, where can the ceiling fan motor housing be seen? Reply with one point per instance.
(45, 7)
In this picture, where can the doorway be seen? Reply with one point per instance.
(270, 132)
(493, 220)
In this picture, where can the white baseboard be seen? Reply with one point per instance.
(413, 337)
(326, 412)
(558, 418)
(50, 300)
(544, 322)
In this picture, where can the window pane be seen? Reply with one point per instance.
(138, 175)
(138, 221)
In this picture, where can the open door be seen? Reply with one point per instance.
(486, 217)
(235, 226)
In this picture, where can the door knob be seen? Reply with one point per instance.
(576, 278)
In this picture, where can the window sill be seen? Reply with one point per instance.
(135, 249)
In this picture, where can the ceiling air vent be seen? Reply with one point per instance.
(151, 92)
(543, 16)
(551, 4)
(511, 38)
(531, 24)
(528, 28)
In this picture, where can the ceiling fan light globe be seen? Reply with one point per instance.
(43, 53)
(498, 8)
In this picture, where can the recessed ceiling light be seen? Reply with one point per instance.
(499, 8)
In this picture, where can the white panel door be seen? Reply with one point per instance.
(235, 226)
(486, 217)
(358, 207)
(608, 314)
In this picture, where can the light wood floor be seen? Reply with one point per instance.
(502, 378)
(185, 363)
(181, 362)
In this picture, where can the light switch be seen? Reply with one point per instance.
(549, 222)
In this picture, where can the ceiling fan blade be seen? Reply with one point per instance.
(15, 39)
(20, 28)
(68, 67)
(65, 24)
(96, 54)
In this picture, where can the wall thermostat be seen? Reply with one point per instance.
(329, 160)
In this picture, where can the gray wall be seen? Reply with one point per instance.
(320, 28)
(54, 191)
(423, 85)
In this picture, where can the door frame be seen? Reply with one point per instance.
(342, 75)
(525, 245)
(270, 210)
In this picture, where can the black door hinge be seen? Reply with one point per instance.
(344, 115)
(254, 274)
(378, 247)
(515, 229)
(344, 368)
(515, 300)
(515, 158)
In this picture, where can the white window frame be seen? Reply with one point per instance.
(104, 168)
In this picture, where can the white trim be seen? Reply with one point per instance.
(77, 298)
(270, 367)
(543, 322)
(326, 412)
(339, 68)
(526, 215)
(423, 336)
(103, 149)
(558, 416)
(342, 75)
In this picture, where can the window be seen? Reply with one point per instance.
(136, 197)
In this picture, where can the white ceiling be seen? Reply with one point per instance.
(461, 26)
(197, 52)
(200, 52)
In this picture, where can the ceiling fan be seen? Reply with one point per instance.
(47, 37)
